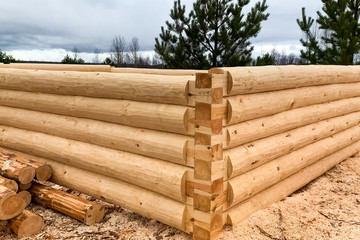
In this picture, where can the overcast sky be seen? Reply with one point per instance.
(47, 29)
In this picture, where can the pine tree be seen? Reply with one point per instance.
(339, 22)
(215, 33)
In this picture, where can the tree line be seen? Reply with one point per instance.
(218, 33)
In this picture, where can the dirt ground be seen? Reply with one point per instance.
(327, 208)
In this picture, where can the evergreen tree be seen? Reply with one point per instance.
(340, 42)
(215, 33)
(5, 58)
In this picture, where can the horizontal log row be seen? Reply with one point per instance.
(254, 154)
(245, 132)
(247, 185)
(166, 146)
(245, 80)
(59, 67)
(150, 173)
(247, 107)
(168, 118)
(136, 87)
(147, 203)
(285, 187)
(171, 72)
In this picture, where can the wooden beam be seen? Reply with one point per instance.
(171, 72)
(137, 87)
(59, 67)
(244, 80)
(9, 183)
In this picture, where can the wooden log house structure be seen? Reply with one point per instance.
(193, 149)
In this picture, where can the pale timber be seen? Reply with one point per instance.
(27, 224)
(71, 205)
(59, 67)
(11, 205)
(154, 174)
(163, 117)
(284, 188)
(145, 202)
(245, 80)
(254, 154)
(171, 72)
(166, 146)
(247, 107)
(137, 87)
(252, 130)
(9, 183)
(247, 185)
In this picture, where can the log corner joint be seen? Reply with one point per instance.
(209, 194)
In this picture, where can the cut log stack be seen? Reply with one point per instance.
(192, 149)
(25, 223)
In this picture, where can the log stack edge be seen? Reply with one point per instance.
(193, 149)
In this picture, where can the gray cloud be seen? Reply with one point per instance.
(89, 24)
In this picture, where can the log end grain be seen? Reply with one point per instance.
(94, 214)
(43, 173)
(26, 175)
(27, 224)
(26, 196)
(24, 187)
(11, 205)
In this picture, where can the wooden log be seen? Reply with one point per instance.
(244, 80)
(150, 173)
(142, 201)
(288, 185)
(254, 154)
(171, 72)
(26, 196)
(11, 205)
(24, 187)
(9, 183)
(252, 130)
(59, 67)
(27, 224)
(247, 185)
(13, 169)
(166, 146)
(42, 171)
(137, 87)
(73, 206)
(247, 107)
(163, 117)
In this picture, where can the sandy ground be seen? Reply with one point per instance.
(327, 208)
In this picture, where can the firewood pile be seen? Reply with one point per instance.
(22, 181)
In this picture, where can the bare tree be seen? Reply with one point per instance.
(75, 52)
(117, 50)
(134, 50)
(96, 58)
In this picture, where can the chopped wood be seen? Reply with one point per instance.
(79, 208)
(26, 196)
(27, 224)
(9, 183)
(11, 205)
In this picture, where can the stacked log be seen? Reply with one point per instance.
(193, 152)
(285, 126)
